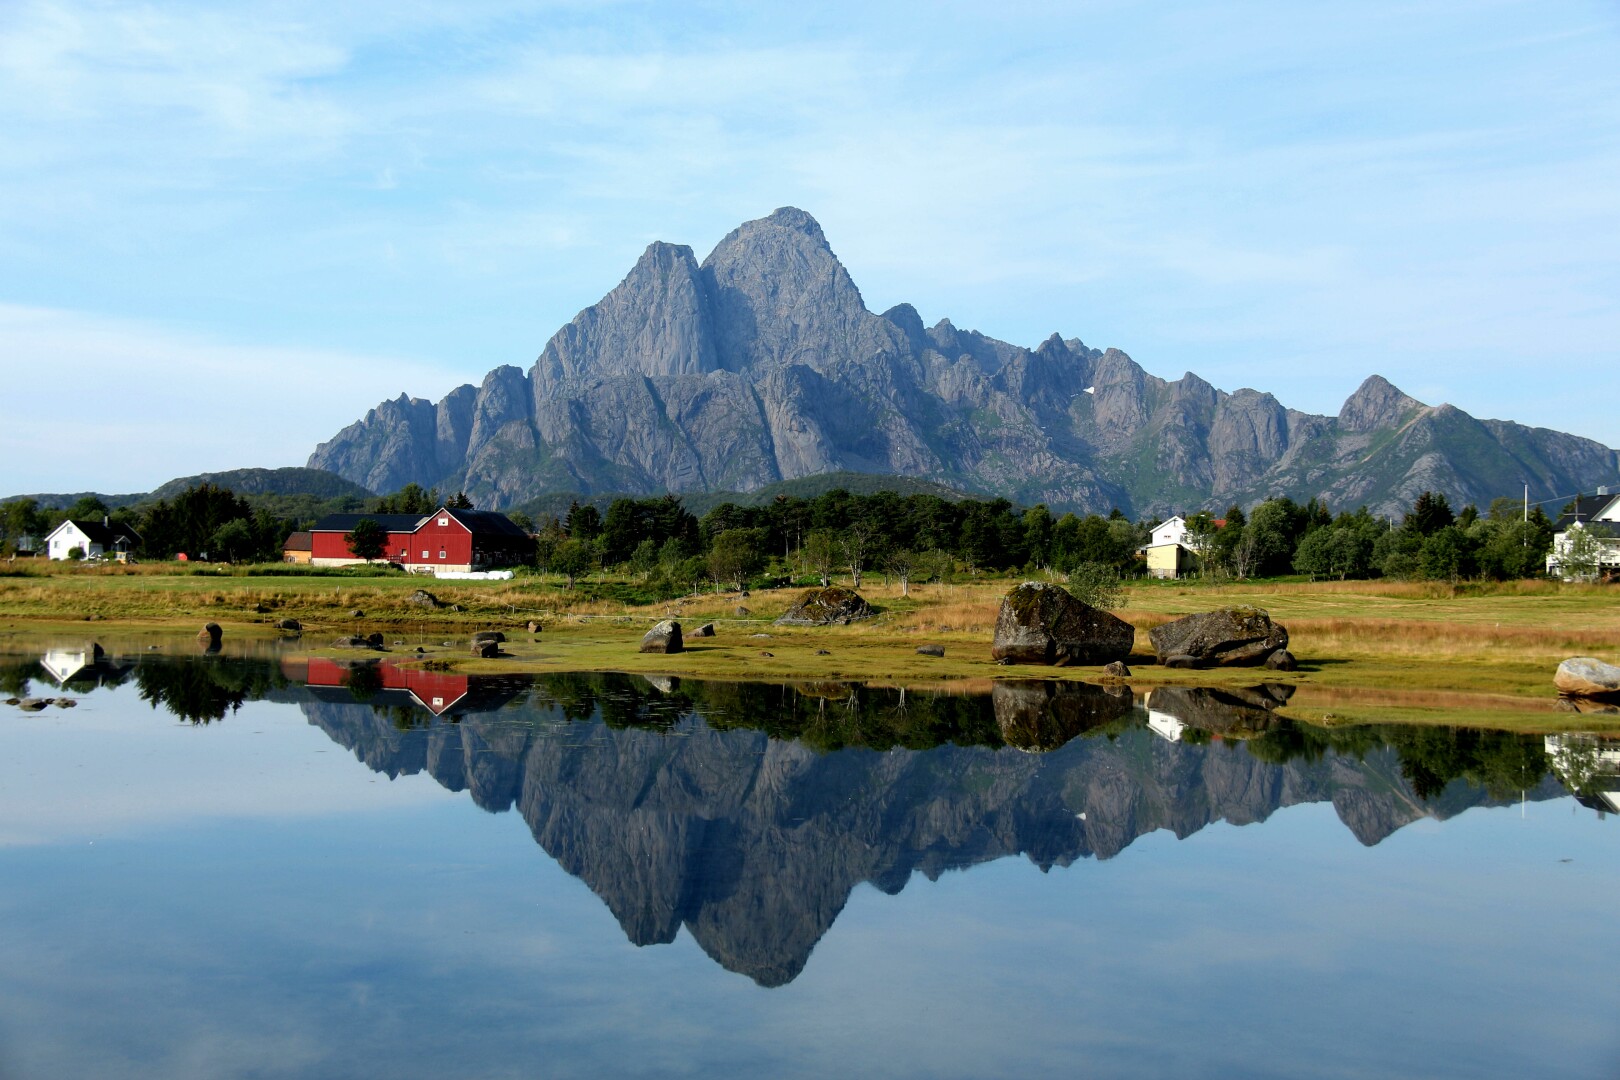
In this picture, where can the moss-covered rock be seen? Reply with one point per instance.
(1040, 623)
(1229, 636)
(832, 606)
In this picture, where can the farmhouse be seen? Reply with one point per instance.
(1169, 552)
(91, 539)
(445, 540)
(1599, 515)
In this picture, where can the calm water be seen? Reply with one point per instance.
(266, 866)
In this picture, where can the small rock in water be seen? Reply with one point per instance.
(66, 703)
(1117, 670)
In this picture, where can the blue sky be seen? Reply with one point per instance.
(227, 230)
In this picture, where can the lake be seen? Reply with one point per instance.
(260, 864)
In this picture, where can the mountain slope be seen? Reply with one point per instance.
(763, 364)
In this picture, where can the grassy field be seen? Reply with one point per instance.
(1369, 651)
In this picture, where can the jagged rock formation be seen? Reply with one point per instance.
(763, 364)
(754, 843)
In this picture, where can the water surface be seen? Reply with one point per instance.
(265, 865)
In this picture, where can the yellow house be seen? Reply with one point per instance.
(1167, 553)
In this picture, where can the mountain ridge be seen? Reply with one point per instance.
(762, 364)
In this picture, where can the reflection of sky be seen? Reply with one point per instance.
(113, 765)
(367, 935)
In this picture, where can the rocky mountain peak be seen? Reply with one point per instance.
(655, 322)
(1375, 404)
(779, 295)
(764, 364)
(910, 323)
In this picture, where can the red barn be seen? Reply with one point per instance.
(458, 540)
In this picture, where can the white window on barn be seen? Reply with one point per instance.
(424, 554)
(444, 521)
(441, 553)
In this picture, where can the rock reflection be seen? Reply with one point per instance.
(1226, 711)
(1040, 715)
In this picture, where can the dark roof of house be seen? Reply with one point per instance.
(298, 541)
(345, 523)
(1586, 508)
(488, 522)
(105, 535)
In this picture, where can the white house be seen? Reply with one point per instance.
(1602, 510)
(1170, 551)
(91, 539)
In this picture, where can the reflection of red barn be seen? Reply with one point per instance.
(458, 540)
(435, 691)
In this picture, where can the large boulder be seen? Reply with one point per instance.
(827, 607)
(1587, 676)
(1040, 623)
(1229, 636)
(664, 637)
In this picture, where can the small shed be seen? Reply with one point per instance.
(297, 548)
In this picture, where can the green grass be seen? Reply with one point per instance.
(1369, 651)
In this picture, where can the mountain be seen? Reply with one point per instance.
(763, 364)
(288, 481)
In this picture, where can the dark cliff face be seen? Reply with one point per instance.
(763, 364)
(754, 843)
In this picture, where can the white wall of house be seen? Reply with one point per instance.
(1608, 547)
(65, 537)
(1173, 531)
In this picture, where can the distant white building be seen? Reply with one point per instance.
(1602, 510)
(91, 539)
(1170, 551)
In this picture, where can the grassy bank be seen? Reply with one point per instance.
(1369, 651)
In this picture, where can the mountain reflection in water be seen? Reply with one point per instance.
(749, 812)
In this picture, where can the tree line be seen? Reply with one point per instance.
(910, 538)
